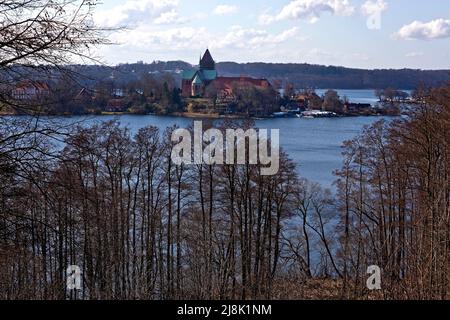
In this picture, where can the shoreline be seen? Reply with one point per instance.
(186, 116)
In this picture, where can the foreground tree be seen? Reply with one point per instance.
(394, 191)
(40, 38)
(38, 41)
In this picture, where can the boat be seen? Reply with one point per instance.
(311, 114)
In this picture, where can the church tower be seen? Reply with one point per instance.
(207, 62)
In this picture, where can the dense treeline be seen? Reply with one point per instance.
(140, 227)
(316, 76)
(67, 96)
(301, 75)
(395, 203)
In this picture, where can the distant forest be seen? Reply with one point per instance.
(323, 77)
(300, 75)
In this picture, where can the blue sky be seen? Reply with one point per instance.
(353, 33)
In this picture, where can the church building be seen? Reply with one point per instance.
(195, 83)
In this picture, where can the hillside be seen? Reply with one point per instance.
(307, 75)
(316, 76)
(301, 75)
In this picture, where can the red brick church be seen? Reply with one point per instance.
(196, 83)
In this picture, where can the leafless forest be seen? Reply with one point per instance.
(140, 227)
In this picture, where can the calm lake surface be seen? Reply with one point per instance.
(314, 144)
(357, 96)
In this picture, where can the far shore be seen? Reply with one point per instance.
(192, 115)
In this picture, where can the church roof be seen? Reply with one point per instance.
(189, 74)
(205, 75)
(227, 83)
(207, 62)
(209, 75)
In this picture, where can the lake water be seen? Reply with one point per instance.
(357, 96)
(314, 144)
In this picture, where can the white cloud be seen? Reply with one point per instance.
(144, 37)
(251, 38)
(286, 35)
(417, 30)
(134, 12)
(225, 9)
(150, 41)
(370, 8)
(310, 10)
(170, 17)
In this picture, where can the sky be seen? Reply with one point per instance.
(353, 33)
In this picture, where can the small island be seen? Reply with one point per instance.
(201, 93)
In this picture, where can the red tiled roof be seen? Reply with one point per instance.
(226, 83)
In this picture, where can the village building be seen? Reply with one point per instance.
(118, 93)
(200, 82)
(30, 90)
(116, 105)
